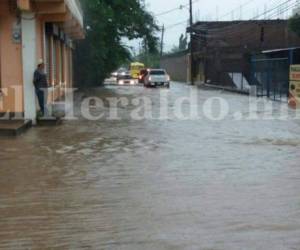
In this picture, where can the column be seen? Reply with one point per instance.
(29, 64)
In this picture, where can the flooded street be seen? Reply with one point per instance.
(153, 184)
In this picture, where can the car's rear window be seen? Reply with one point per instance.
(157, 72)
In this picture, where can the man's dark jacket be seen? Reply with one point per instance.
(40, 80)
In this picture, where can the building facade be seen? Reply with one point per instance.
(176, 65)
(223, 49)
(31, 30)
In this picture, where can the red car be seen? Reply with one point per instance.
(142, 75)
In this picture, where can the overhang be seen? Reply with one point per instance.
(280, 50)
(66, 13)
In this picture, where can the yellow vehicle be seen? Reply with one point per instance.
(135, 69)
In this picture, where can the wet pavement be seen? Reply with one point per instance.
(153, 184)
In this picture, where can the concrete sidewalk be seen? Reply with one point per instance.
(14, 127)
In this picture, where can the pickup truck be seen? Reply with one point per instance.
(157, 78)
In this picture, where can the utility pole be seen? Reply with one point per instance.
(162, 41)
(191, 43)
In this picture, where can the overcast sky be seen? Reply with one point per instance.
(209, 10)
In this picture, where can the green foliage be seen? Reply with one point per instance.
(182, 42)
(294, 24)
(151, 60)
(108, 22)
(175, 49)
(182, 46)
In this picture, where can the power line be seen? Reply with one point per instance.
(248, 31)
(233, 10)
(177, 24)
(229, 29)
(175, 9)
(167, 12)
(224, 29)
(185, 21)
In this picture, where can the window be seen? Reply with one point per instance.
(157, 72)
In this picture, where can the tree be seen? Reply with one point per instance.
(182, 42)
(108, 23)
(175, 49)
(182, 45)
(294, 24)
(151, 59)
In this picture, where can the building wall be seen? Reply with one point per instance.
(246, 34)
(13, 56)
(58, 64)
(176, 66)
(227, 46)
(11, 61)
(40, 30)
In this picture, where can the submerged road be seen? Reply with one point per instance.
(157, 184)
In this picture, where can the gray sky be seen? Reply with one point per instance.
(210, 10)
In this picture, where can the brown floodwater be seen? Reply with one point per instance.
(153, 184)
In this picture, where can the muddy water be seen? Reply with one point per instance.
(150, 184)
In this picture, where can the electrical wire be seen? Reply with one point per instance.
(252, 19)
(177, 24)
(221, 32)
(227, 27)
(241, 6)
(233, 32)
(249, 33)
(175, 9)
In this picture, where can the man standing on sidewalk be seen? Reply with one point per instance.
(41, 86)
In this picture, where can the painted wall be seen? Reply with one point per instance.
(39, 38)
(11, 62)
(18, 61)
(176, 66)
(29, 62)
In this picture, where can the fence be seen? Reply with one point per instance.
(271, 76)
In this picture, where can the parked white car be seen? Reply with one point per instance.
(157, 78)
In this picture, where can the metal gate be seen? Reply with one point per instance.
(271, 76)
